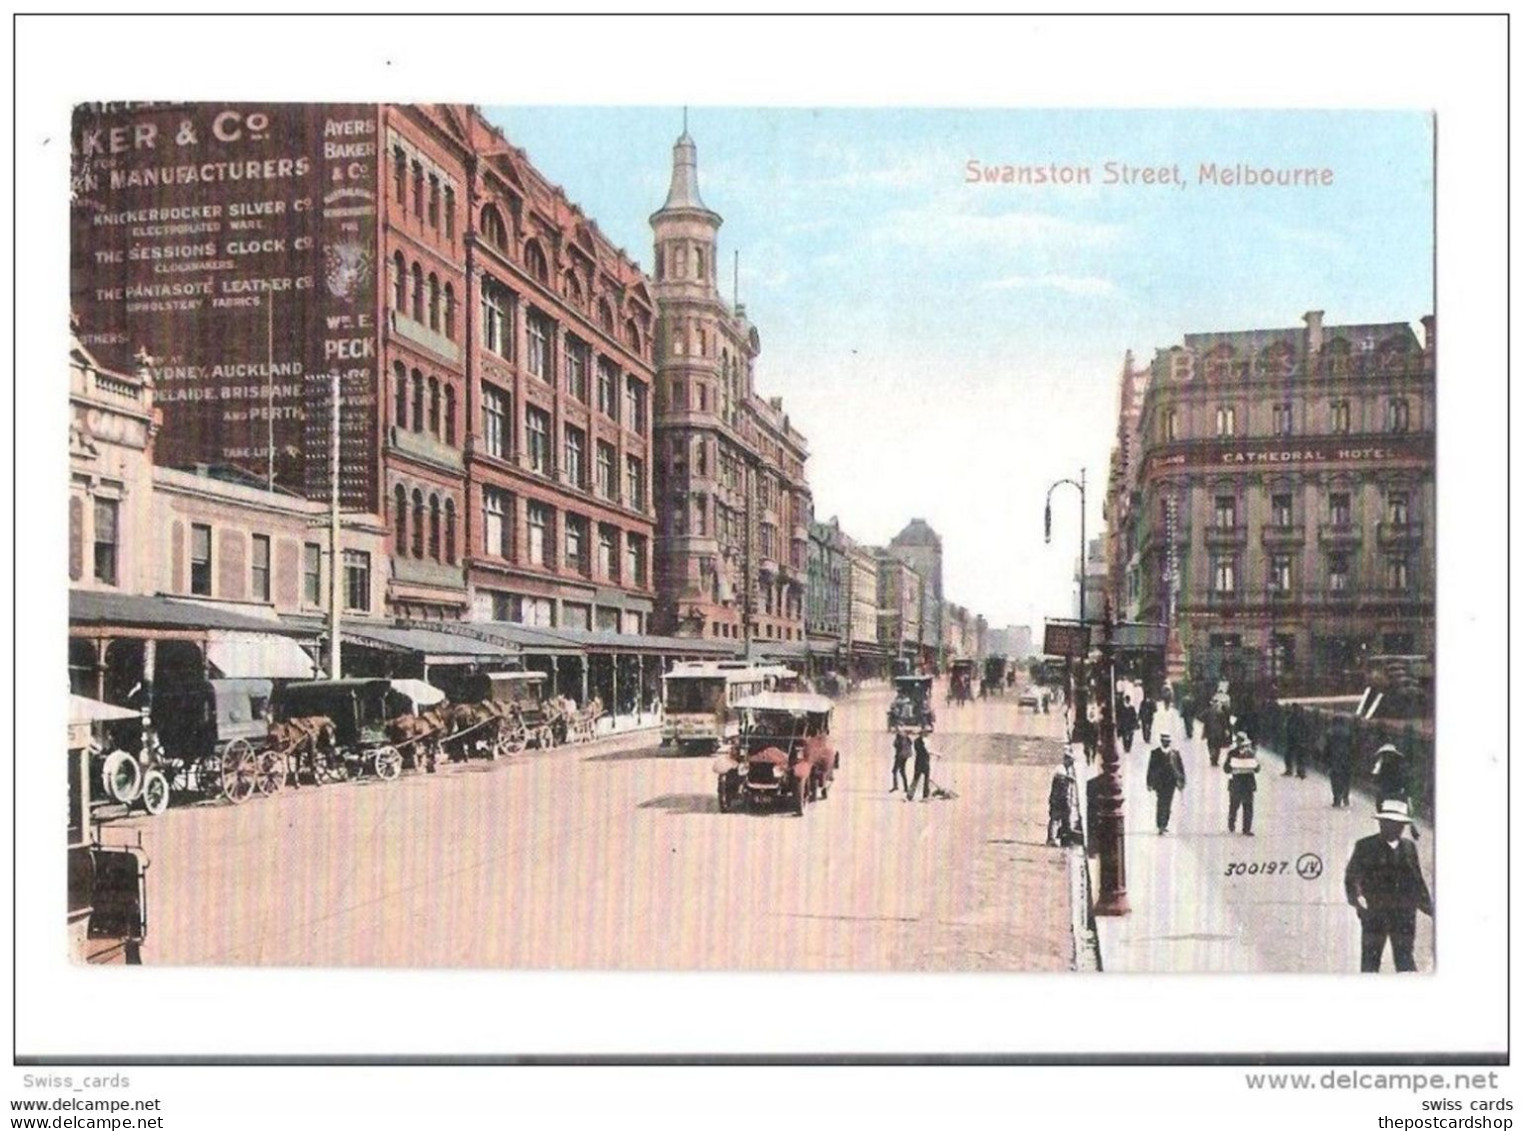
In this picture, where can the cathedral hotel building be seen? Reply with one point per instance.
(1280, 512)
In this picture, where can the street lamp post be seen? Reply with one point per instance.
(1081, 697)
(1111, 820)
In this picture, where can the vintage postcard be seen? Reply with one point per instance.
(727, 539)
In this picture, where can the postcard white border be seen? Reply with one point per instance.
(1455, 67)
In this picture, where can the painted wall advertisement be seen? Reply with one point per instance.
(231, 249)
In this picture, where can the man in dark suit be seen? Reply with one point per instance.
(1166, 773)
(902, 747)
(1384, 883)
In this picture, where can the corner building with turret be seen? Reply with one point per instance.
(732, 504)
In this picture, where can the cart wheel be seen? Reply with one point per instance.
(155, 792)
(240, 771)
(272, 772)
(388, 763)
(724, 794)
(121, 777)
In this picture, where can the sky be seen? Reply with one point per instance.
(950, 349)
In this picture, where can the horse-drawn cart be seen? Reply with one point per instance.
(355, 740)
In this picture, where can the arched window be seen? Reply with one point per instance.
(534, 261)
(449, 311)
(434, 297)
(433, 527)
(399, 517)
(417, 293)
(417, 523)
(433, 200)
(493, 229)
(399, 416)
(449, 213)
(449, 415)
(417, 401)
(433, 405)
(605, 316)
(399, 283)
(449, 531)
(632, 335)
(399, 175)
(573, 288)
(417, 187)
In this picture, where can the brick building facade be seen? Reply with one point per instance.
(733, 505)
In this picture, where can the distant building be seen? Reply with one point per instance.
(901, 591)
(920, 546)
(1093, 578)
(869, 657)
(827, 595)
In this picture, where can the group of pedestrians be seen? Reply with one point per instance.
(1383, 880)
(904, 747)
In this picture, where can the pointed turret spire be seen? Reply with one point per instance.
(684, 190)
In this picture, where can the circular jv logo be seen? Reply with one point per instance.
(1309, 866)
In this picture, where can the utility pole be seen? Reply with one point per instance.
(269, 383)
(335, 553)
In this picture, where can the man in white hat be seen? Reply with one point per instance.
(1241, 765)
(1384, 884)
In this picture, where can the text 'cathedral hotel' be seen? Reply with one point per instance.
(526, 413)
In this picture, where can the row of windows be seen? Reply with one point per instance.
(1398, 509)
(1338, 357)
(432, 403)
(679, 255)
(425, 194)
(495, 231)
(499, 335)
(1225, 575)
(421, 297)
(430, 524)
(356, 570)
(499, 539)
(521, 608)
(497, 434)
(1398, 419)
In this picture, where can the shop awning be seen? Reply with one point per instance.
(257, 655)
(106, 610)
(434, 645)
(84, 710)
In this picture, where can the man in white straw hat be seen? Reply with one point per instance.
(1241, 764)
(1384, 883)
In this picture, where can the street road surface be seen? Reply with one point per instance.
(615, 856)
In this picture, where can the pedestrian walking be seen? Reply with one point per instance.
(1339, 751)
(1216, 731)
(1166, 773)
(922, 770)
(1241, 767)
(1126, 721)
(1393, 779)
(902, 749)
(1295, 743)
(1145, 715)
(1384, 884)
(1062, 800)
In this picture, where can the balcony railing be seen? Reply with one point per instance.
(1339, 533)
(1217, 536)
(1289, 534)
(1399, 533)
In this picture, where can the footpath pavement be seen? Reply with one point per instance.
(1204, 900)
